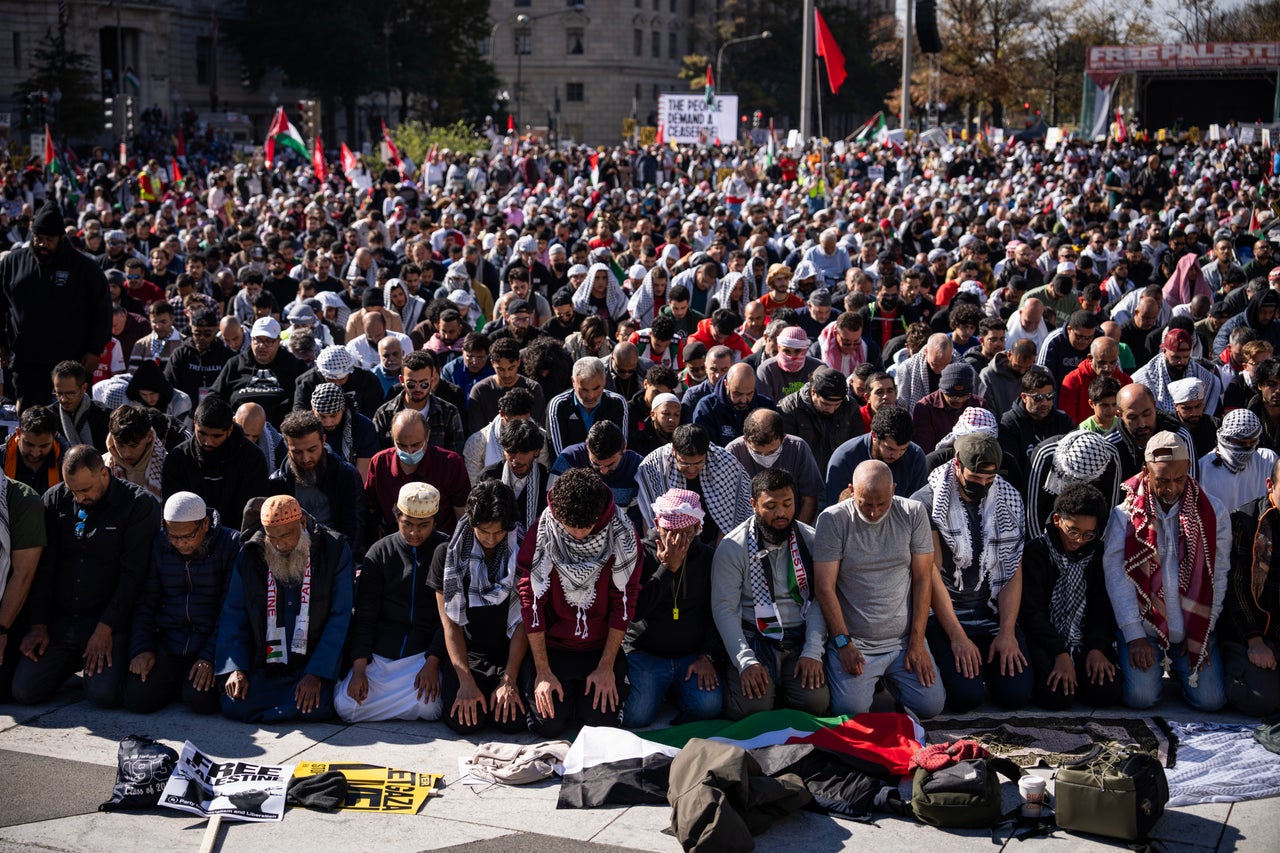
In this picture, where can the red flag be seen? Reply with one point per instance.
(657, 140)
(1122, 132)
(49, 153)
(349, 161)
(830, 51)
(433, 153)
(269, 147)
(317, 160)
(391, 146)
(177, 173)
(511, 124)
(182, 143)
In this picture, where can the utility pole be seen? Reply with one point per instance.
(905, 113)
(806, 72)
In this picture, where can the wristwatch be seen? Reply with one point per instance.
(840, 641)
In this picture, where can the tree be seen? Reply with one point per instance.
(60, 69)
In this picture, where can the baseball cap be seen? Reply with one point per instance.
(978, 450)
(265, 327)
(1166, 447)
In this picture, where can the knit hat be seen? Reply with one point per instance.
(279, 510)
(48, 221)
(335, 362)
(1186, 389)
(185, 506)
(328, 399)
(371, 298)
(829, 383)
(663, 399)
(323, 791)
(957, 379)
(418, 500)
(678, 509)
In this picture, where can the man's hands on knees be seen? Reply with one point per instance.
(605, 686)
(809, 673)
(755, 681)
(307, 694)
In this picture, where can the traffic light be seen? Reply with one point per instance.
(128, 115)
(756, 118)
(27, 116)
(309, 115)
(108, 113)
(246, 77)
(43, 100)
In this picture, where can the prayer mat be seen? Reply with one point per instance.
(1054, 740)
(1221, 763)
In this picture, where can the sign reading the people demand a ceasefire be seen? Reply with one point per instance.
(235, 790)
(689, 118)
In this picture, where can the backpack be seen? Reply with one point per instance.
(962, 794)
(1115, 791)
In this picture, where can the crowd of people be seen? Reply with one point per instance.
(531, 440)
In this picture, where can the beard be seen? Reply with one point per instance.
(289, 568)
(309, 477)
(773, 535)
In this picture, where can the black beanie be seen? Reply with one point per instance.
(48, 221)
(325, 791)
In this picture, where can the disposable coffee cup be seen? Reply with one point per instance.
(1032, 790)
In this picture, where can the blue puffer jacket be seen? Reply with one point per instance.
(180, 606)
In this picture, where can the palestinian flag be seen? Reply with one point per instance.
(711, 88)
(771, 148)
(132, 79)
(608, 766)
(872, 129)
(177, 173)
(283, 132)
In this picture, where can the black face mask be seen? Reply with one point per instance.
(976, 492)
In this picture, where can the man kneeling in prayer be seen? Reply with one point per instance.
(578, 582)
(285, 618)
(395, 645)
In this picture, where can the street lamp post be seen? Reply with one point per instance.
(523, 20)
(720, 53)
(520, 20)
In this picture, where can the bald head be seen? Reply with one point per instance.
(740, 383)
(252, 420)
(938, 351)
(1031, 313)
(872, 490)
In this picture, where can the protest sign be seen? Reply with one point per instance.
(688, 118)
(371, 788)
(235, 790)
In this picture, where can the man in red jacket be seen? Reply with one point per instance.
(1103, 360)
(720, 328)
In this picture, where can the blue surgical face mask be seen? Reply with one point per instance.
(411, 458)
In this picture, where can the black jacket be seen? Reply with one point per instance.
(55, 312)
(1039, 575)
(1019, 434)
(179, 607)
(341, 484)
(240, 372)
(226, 477)
(362, 388)
(190, 370)
(1245, 614)
(396, 614)
(823, 433)
(673, 611)
(97, 576)
(444, 422)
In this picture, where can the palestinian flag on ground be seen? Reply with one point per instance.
(872, 129)
(608, 766)
(283, 132)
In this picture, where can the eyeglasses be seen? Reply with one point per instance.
(1077, 535)
(182, 537)
(80, 516)
(689, 465)
(1039, 398)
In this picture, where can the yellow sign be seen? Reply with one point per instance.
(648, 135)
(628, 127)
(371, 788)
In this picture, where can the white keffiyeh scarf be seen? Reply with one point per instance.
(615, 296)
(1002, 528)
(724, 290)
(471, 580)
(726, 488)
(642, 302)
(578, 563)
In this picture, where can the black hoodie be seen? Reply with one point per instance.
(226, 477)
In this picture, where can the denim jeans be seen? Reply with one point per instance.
(852, 694)
(1142, 689)
(653, 678)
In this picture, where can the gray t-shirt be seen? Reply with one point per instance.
(874, 586)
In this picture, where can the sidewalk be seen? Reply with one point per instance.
(57, 763)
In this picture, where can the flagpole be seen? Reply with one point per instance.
(905, 116)
(806, 72)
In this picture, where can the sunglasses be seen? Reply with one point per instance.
(414, 385)
(1039, 398)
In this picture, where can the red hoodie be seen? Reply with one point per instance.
(707, 338)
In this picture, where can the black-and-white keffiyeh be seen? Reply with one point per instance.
(1067, 601)
(492, 443)
(6, 544)
(615, 296)
(1240, 425)
(532, 485)
(726, 488)
(1080, 457)
(724, 290)
(1155, 375)
(641, 304)
(471, 580)
(1002, 528)
(578, 562)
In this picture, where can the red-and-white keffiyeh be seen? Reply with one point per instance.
(829, 346)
